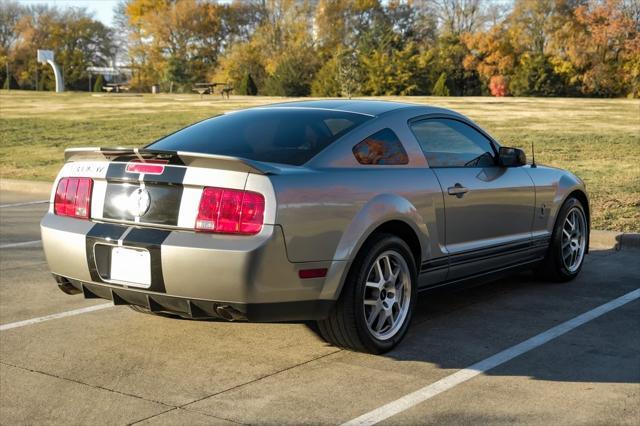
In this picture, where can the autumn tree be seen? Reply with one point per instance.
(280, 55)
(327, 80)
(340, 47)
(292, 76)
(180, 41)
(247, 86)
(242, 59)
(98, 83)
(78, 41)
(440, 88)
(492, 55)
(10, 14)
(602, 48)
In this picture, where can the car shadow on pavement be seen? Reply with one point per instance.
(456, 328)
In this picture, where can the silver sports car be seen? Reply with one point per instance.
(335, 211)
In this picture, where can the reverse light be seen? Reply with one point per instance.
(73, 197)
(230, 211)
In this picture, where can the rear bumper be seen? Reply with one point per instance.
(192, 274)
(200, 309)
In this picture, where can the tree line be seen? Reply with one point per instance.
(338, 47)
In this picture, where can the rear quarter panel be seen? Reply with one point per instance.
(327, 214)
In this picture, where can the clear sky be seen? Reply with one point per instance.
(101, 9)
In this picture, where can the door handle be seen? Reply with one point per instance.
(457, 190)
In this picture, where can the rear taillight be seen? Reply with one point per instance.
(73, 197)
(230, 211)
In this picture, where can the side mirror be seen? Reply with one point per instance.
(511, 157)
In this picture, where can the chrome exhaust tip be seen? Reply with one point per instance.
(66, 286)
(228, 313)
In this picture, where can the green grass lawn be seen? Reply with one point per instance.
(598, 139)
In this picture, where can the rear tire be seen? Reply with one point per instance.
(565, 256)
(375, 307)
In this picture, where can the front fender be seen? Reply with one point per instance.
(568, 184)
(553, 187)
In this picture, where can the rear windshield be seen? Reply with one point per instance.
(277, 135)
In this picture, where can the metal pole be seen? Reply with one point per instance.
(36, 76)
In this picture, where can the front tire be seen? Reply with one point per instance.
(378, 298)
(565, 256)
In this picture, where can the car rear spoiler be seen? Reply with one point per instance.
(177, 158)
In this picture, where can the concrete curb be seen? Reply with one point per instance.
(614, 240)
(26, 186)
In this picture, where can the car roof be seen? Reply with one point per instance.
(358, 106)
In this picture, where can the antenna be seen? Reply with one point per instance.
(533, 156)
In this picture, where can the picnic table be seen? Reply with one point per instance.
(117, 87)
(204, 88)
(209, 88)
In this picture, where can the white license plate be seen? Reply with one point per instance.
(131, 266)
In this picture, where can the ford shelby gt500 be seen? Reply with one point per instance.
(335, 211)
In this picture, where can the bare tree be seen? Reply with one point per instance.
(460, 16)
(631, 8)
(122, 30)
(10, 14)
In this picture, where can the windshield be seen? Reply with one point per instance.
(277, 135)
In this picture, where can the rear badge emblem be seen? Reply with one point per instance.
(139, 202)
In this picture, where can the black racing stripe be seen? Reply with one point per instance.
(150, 239)
(478, 275)
(116, 172)
(163, 210)
(165, 192)
(485, 253)
(435, 264)
(174, 175)
(482, 253)
(488, 255)
(541, 241)
(103, 237)
(100, 233)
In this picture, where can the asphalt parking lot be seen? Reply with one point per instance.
(114, 366)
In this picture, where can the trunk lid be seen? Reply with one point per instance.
(168, 197)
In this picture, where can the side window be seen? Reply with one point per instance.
(383, 148)
(451, 143)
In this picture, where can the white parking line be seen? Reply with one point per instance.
(427, 392)
(29, 203)
(23, 244)
(55, 316)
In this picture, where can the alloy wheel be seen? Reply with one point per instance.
(574, 239)
(387, 295)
